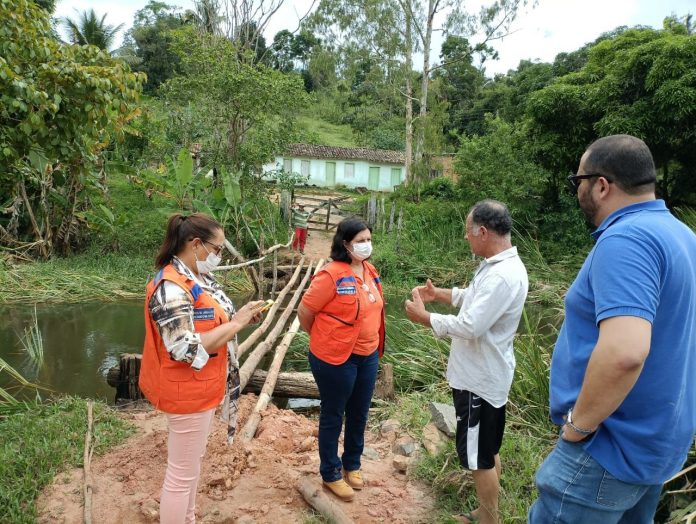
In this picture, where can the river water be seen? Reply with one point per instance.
(82, 341)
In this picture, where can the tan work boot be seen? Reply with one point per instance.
(339, 488)
(354, 479)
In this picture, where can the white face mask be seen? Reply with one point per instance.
(211, 262)
(362, 250)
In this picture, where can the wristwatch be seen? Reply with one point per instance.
(581, 431)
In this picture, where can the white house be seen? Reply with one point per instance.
(375, 169)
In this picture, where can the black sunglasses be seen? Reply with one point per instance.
(574, 180)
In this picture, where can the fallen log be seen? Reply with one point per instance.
(315, 497)
(293, 384)
(252, 361)
(289, 385)
(256, 334)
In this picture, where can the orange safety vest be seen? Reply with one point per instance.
(173, 386)
(337, 326)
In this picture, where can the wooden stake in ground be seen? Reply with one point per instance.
(315, 497)
(255, 357)
(252, 423)
(256, 334)
(87, 484)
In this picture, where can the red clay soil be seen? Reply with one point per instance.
(245, 484)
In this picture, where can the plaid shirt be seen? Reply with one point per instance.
(171, 307)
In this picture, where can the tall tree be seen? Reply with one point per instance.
(89, 29)
(493, 21)
(241, 112)
(149, 41)
(641, 82)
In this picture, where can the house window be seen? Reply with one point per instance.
(287, 165)
(349, 171)
(305, 168)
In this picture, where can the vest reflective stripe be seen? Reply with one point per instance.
(337, 326)
(173, 386)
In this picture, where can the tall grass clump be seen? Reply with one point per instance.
(419, 359)
(32, 342)
(11, 382)
(529, 394)
(431, 244)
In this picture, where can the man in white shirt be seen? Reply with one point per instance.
(482, 361)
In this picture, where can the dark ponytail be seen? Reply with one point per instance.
(181, 229)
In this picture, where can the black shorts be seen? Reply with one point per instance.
(480, 428)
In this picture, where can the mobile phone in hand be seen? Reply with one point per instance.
(269, 303)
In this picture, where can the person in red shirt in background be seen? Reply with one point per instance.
(299, 222)
(343, 312)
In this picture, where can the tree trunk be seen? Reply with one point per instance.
(408, 154)
(427, 40)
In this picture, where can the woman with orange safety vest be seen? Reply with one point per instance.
(343, 312)
(189, 365)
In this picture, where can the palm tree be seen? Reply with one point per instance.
(89, 29)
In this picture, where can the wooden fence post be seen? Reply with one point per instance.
(372, 211)
(384, 216)
(398, 228)
(391, 217)
(328, 214)
(285, 202)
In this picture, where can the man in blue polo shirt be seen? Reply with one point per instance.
(623, 373)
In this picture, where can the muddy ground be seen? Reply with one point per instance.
(242, 483)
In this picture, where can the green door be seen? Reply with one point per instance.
(331, 174)
(395, 176)
(373, 180)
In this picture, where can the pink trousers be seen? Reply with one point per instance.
(188, 436)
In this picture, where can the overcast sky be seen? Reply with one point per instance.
(552, 27)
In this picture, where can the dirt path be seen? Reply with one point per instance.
(318, 244)
(239, 484)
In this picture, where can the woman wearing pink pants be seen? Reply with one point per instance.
(189, 365)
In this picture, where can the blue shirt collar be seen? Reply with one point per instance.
(648, 205)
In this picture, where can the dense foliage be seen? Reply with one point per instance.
(60, 107)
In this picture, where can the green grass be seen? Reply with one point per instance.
(88, 276)
(521, 455)
(325, 133)
(39, 443)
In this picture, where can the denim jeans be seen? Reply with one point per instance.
(574, 489)
(345, 389)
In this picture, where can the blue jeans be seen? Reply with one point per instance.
(574, 488)
(344, 389)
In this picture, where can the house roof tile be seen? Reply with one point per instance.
(346, 153)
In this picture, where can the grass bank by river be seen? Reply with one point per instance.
(90, 276)
(42, 441)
